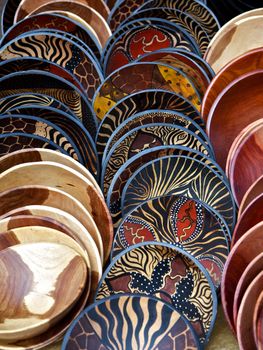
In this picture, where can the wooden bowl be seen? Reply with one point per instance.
(87, 13)
(26, 7)
(251, 271)
(247, 248)
(41, 155)
(258, 322)
(39, 275)
(60, 176)
(253, 192)
(237, 106)
(99, 315)
(246, 163)
(235, 39)
(246, 63)
(245, 335)
(39, 195)
(249, 218)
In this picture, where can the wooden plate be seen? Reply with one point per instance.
(237, 106)
(247, 159)
(194, 179)
(71, 126)
(42, 155)
(97, 316)
(182, 19)
(64, 52)
(198, 10)
(247, 248)
(26, 99)
(26, 7)
(184, 222)
(87, 13)
(149, 268)
(57, 87)
(257, 322)
(54, 21)
(44, 268)
(179, 60)
(142, 76)
(251, 272)
(154, 116)
(60, 176)
(128, 169)
(245, 333)
(23, 64)
(139, 102)
(55, 198)
(250, 217)
(145, 137)
(142, 36)
(253, 192)
(39, 127)
(243, 64)
(235, 39)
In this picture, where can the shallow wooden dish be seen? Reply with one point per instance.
(237, 106)
(60, 176)
(253, 192)
(98, 316)
(245, 333)
(237, 37)
(42, 155)
(87, 13)
(247, 248)
(39, 273)
(246, 63)
(39, 195)
(249, 218)
(251, 272)
(246, 163)
(258, 322)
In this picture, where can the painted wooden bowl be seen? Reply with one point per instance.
(253, 192)
(142, 76)
(249, 218)
(39, 273)
(237, 106)
(39, 195)
(98, 317)
(245, 333)
(181, 221)
(234, 39)
(150, 268)
(132, 165)
(60, 176)
(139, 102)
(258, 322)
(246, 249)
(42, 155)
(87, 13)
(247, 159)
(246, 63)
(251, 272)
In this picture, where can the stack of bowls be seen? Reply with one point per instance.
(171, 205)
(232, 108)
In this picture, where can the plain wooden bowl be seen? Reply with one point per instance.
(237, 106)
(251, 271)
(32, 155)
(35, 293)
(249, 218)
(246, 63)
(245, 334)
(245, 250)
(70, 181)
(253, 192)
(258, 322)
(246, 164)
(234, 40)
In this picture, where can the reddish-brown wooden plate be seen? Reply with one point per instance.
(253, 192)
